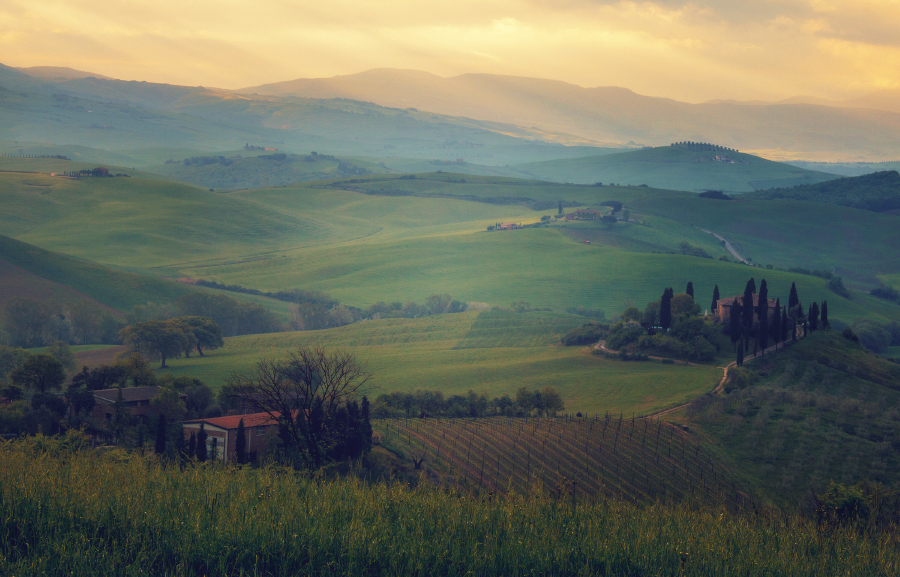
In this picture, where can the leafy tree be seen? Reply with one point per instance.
(650, 318)
(715, 299)
(438, 304)
(80, 399)
(303, 393)
(206, 333)
(39, 372)
(25, 321)
(168, 402)
(158, 339)
(825, 325)
(665, 309)
(684, 305)
(631, 314)
(10, 358)
(690, 289)
(64, 354)
(240, 443)
(160, 446)
(201, 444)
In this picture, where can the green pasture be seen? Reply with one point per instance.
(859, 244)
(437, 353)
(675, 168)
(540, 266)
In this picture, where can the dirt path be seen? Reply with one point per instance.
(720, 386)
(728, 246)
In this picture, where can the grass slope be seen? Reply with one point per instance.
(823, 409)
(437, 353)
(676, 168)
(857, 244)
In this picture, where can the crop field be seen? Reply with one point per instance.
(436, 353)
(676, 168)
(641, 460)
(66, 510)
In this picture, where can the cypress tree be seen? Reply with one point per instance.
(762, 310)
(665, 309)
(740, 353)
(240, 443)
(192, 446)
(824, 323)
(734, 323)
(775, 329)
(751, 284)
(747, 307)
(793, 299)
(201, 444)
(715, 300)
(785, 326)
(160, 447)
(814, 317)
(690, 289)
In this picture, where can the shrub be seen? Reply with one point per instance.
(585, 334)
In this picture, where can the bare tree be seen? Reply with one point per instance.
(302, 393)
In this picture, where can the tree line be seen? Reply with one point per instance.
(424, 403)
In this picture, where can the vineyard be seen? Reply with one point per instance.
(639, 460)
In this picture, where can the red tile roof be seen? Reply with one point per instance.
(232, 421)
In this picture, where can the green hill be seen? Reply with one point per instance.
(878, 192)
(115, 289)
(677, 168)
(822, 409)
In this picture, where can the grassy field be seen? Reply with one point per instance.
(858, 244)
(539, 266)
(457, 352)
(675, 168)
(86, 512)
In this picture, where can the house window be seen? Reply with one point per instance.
(260, 431)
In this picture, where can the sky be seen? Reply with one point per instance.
(690, 51)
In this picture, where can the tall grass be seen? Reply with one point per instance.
(81, 512)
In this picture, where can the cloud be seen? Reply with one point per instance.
(692, 50)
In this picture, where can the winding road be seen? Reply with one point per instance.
(728, 246)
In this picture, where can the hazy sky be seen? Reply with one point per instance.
(694, 51)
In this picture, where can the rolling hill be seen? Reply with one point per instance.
(613, 115)
(878, 192)
(676, 168)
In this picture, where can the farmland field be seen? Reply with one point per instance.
(436, 353)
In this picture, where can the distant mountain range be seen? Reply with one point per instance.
(385, 113)
(867, 127)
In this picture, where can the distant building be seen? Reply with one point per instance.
(723, 307)
(508, 226)
(584, 214)
(259, 429)
(136, 401)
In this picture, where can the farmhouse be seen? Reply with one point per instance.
(259, 428)
(508, 226)
(584, 214)
(136, 401)
(723, 307)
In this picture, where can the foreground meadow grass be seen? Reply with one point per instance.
(81, 512)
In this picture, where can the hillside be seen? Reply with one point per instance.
(822, 409)
(878, 192)
(677, 168)
(262, 170)
(614, 115)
